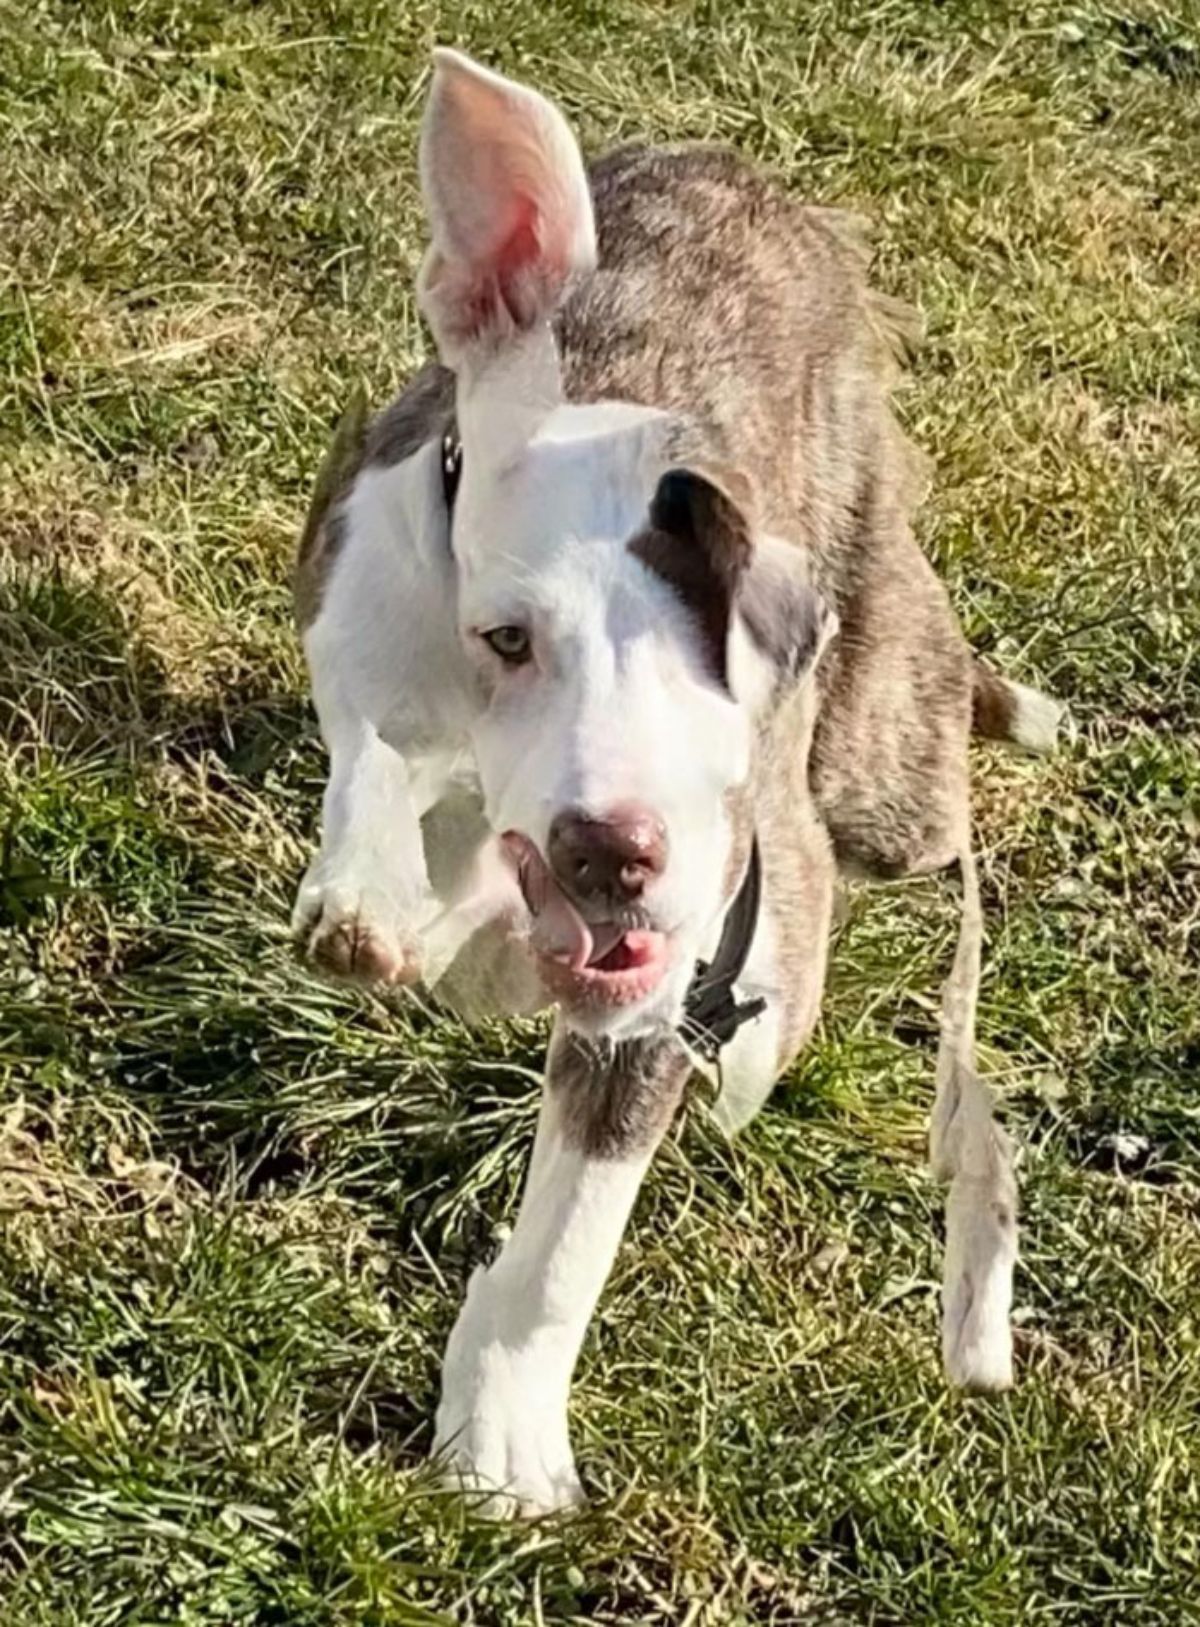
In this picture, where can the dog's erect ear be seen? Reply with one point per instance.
(698, 541)
(508, 204)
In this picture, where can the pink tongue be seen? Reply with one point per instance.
(559, 931)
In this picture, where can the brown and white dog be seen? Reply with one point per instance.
(621, 646)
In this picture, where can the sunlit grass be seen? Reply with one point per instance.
(239, 1207)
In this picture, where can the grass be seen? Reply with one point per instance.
(238, 1207)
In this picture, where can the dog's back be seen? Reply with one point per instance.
(720, 298)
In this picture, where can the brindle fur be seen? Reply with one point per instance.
(322, 533)
(799, 868)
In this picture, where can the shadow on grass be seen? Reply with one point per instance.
(77, 674)
(80, 676)
(253, 1076)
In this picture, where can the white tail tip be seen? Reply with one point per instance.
(1036, 718)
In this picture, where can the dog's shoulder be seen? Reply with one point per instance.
(422, 412)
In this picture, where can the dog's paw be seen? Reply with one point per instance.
(351, 933)
(352, 947)
(509, 1467)
(501, 1431)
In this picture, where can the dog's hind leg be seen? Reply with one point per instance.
(970, 1151)
(502, 1421)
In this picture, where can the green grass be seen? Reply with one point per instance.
(238, 1208)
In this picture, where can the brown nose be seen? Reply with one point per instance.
(610, 859)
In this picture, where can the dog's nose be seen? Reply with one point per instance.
(610, 859)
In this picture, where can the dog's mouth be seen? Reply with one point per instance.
(609, 963)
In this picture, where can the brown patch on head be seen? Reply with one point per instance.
(616, 1100)
(698, 542)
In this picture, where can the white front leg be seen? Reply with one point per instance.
(366, 897)
(394, 698)
(502, 1422)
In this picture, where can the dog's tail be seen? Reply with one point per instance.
(1004, 710)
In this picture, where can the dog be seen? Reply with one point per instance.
(622, 649)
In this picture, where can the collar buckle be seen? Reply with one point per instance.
(451, 466)
(711, 1015)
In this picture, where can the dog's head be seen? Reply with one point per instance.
(626, 622)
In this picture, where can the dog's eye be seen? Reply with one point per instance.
(511, 644)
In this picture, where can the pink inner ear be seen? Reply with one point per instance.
(520, 247)
(509, 278)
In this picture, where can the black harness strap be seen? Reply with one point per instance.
(711, 1014)
(451, 466)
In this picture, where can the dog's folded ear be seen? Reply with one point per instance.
(788, 621)
(701, 541)
(698, 541)
(508, 204)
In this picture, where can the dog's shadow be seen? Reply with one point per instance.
(93, 677)
(251, 1072)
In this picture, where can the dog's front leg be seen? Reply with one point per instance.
(366, 896)
(502, 1422)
